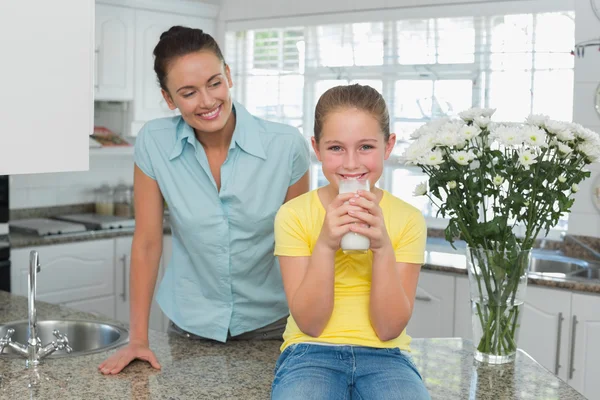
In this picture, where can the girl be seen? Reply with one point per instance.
(209, 164)
(345, 337)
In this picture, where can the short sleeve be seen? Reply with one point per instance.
(411, 244)
(291, 239)
(300, 158)
(141, 155)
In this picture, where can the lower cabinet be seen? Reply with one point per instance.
(90, 276)
(122, 269)
(433, 312)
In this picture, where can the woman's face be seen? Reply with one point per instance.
(352, 146)
(198, 85)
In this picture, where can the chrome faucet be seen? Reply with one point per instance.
(34, 351)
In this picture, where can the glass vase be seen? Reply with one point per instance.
(498, 285)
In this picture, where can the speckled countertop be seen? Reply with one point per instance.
(244, 370)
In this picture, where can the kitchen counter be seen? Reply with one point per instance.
(244, 370)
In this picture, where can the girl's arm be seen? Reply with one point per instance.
(393, 290)
(309, 281)
(393, 284)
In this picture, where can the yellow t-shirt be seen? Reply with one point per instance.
(297, 227)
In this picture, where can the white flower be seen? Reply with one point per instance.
(420, 189)
(507, 135)
(482, 122)
(534, 136)
(538, 120)
(562, 179)
(526, 158)
(565, 135)
(498, 180)
(452, 185)
(591, 150)
(563, 148)
(472, 113)
(559, 128)
(468, 132)
(584, 133)
(462, 157)
(416, 151)
(575, 188)
(432, 157)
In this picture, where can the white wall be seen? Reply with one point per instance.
(46, 190)
(585, 218)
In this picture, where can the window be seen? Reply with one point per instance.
(425, 68)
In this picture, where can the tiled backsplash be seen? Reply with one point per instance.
(53, 189)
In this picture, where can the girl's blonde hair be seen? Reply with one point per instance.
(357, 96)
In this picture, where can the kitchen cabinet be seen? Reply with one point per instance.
(114, 53)
(544, 332)
(584, 364)
(149, 25)
(47, 75)
(80, 274)
(433, 312)
(463, 327)
(122, 268)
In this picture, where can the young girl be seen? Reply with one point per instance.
(345, 337)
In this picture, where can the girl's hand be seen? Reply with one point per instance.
(337, 221)
(371, 217)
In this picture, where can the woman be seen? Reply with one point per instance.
(223, 174)
(346, 336)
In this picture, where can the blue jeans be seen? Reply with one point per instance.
(316, 372)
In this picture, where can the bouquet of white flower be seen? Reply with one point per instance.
(487, 178)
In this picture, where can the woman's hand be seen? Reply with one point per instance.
(134, 350)
(371, 217)
(337, 221)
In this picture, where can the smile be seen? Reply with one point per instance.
(211, 114)
(353, 176)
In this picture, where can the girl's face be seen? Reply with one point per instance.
(352, 146)
(199, 86)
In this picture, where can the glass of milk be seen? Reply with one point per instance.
(352, 242)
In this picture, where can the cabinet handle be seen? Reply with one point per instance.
(96, 67)
(558, 336)
(124, 293)
(572, 360)
(423, 298)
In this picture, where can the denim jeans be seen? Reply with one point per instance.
(316, 372)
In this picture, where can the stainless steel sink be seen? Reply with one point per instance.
(85, 337)
(563, 267)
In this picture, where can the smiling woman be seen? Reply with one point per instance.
(208, 164)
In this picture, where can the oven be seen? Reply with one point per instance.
(4, 242)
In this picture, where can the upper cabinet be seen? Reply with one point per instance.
(46, 75)
(114, 53)
(149, 25)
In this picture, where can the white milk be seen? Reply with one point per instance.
(353, 242)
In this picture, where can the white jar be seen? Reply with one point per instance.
(352, 242)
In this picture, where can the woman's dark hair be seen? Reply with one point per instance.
(357, 96)
(179, 41)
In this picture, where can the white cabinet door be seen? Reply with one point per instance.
(433, 313)
(46, 76)
(103, 305)
(463, 325)
(149, 25)
(69, 272)
(585, 362)
(114, 53)
(122, 268)
(544, 331)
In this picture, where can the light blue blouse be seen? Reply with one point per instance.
(222, 275)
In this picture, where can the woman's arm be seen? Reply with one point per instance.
(145, 252)
(298, 188)
(393, 291)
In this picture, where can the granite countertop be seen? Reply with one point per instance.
(244, 370)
